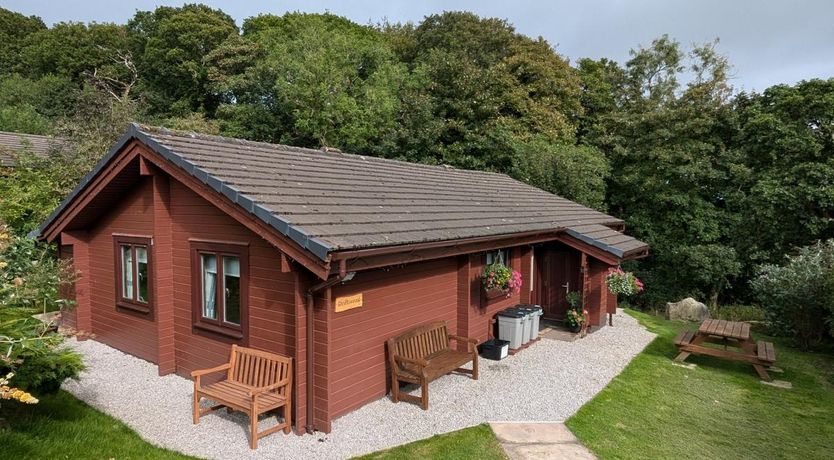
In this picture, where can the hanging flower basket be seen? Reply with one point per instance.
(623, 283)
(494, 293)
(500, 281)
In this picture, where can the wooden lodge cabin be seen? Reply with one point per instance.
(188, 243)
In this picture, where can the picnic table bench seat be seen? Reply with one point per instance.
(423, 354)
(256, 382)
(766, 351)
(684, 338)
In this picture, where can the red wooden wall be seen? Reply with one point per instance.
(395, 299)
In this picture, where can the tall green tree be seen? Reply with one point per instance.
(674, 173)
(14, 28)
(785, 138)
(169, 45)
(72, 50)
(311, 80)
(487, 85)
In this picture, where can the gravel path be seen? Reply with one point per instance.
(547, 382)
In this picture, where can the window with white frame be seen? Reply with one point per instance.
(133, 274)
(500, 256)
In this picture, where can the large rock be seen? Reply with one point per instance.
(687, 309)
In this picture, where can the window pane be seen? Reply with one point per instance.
(231, 283)
(497, 257)
(127, 272)
(209, 263)
(142, 274)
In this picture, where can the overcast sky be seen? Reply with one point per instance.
(767, 41)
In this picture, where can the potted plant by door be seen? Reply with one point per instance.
(500, 281)
(574, 317)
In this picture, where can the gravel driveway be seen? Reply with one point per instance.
(547, 382)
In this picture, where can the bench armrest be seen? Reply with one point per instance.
(461, 339)
(417, 362)
(268, 388)
(222, 367)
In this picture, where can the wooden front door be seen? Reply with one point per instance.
(557, 272)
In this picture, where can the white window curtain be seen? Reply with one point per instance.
(127, 272)
(142, 274)
(231, 288)
(209, 285)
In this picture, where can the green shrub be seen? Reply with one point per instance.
(43, 373)
(738, 312)
(798, 297)
(30, 282)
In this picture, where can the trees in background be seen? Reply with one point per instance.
(716, 183)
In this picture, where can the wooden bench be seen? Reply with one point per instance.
(766, 352)
(423, 354)
(256, 382)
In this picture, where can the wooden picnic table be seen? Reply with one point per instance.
(729, 334)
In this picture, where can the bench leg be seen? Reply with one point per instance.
(424, 394)
(253, 430)
(395, 388)
(762, 373)
(195, 407)
(682, 356)
(288, 416)
(475, 365)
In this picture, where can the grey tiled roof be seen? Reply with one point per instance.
(331, 201)
(16, 142)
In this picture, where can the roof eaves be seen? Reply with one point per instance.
(596, 243)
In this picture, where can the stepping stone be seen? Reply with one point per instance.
(548, 452)
(685, 365)
(539, 441)
(779, 384)
(532, 432)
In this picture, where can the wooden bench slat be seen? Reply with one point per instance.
(766, 351)
(684, 338)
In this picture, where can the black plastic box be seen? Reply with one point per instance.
(494, 349)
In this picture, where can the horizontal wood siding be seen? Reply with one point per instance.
(394, 300)
(132, 333)
(271, 292)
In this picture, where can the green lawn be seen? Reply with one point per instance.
(60, 426)
(477, 442)
(651, 410)
(717, 410)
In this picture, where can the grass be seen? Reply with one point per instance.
(60, 426)
(475, 442)
(717, 410)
